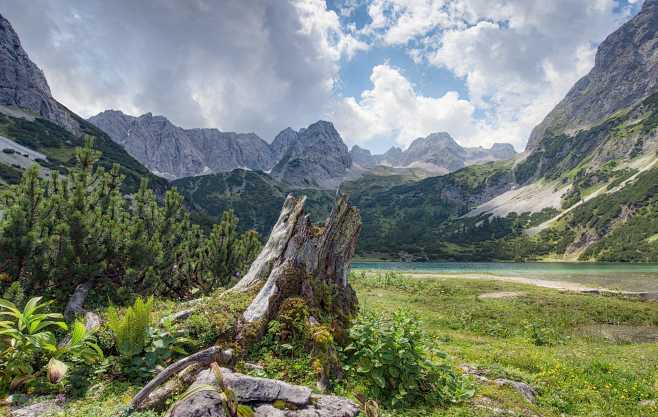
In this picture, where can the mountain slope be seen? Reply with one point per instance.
(31, 117)
(255, 197)
(625, 72)
(595, 151)
(174, 152)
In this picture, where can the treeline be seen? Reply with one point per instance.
(59, 232)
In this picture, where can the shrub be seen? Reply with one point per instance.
(390, 357)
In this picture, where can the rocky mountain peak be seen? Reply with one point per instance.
(625, 72)
(316, 158)
(23, 84)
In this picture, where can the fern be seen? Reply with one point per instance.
(131, 330)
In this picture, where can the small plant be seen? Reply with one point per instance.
(391, 357)
(141, 346)
(131, 330)
(28, 337)
(540, 335)
(26, 334)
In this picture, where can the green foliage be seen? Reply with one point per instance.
(141, 345)
(130, 328)
(15, 294)
(27, 338)
(253, 196)
(581, 371)
(390, 355)
(59, 232)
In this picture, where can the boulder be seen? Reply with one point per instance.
(202, 404)
(321, 406)
(250, 389)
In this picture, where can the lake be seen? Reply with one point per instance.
(630, 277)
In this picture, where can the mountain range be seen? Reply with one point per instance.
(313, 157)
(437, 153)
(586, 187)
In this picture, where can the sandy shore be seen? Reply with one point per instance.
(544, 283)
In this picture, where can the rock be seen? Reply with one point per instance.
(524, 389)
(322, 406)
(174, 152)
(252, 389)
(37, 410)
(202, 404)
(333, 406)
(267, 410)
(23, 85)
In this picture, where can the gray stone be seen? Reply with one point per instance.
(253, 389)
(203, 404)
(322, 406)
(37, 410)
(524, 389)
(333, 406)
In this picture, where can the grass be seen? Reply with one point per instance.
(586, 355)
(538, 337)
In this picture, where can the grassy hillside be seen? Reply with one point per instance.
(58, 144)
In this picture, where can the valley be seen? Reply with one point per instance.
(389, 254)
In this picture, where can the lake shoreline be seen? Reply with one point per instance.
(556, 285)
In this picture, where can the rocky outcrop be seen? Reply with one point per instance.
(173, 152)
(316, 158)
(438, 153)
(625, 72)
(267, 397)
(23, 84)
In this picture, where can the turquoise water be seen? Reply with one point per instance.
(632, 277)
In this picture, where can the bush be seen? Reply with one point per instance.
(390, 357)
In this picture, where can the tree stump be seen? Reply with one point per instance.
(303, 260)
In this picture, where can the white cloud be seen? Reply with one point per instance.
(518, 58)
(393, 108)
(247, 65)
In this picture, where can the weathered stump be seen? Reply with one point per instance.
(303, 260)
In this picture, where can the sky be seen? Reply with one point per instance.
(383, 71)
